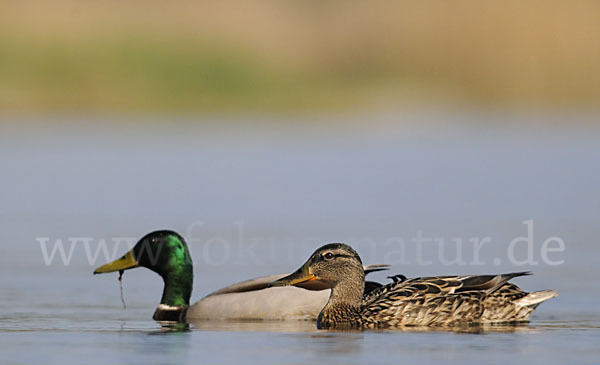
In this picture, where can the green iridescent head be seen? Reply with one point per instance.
(166, 253)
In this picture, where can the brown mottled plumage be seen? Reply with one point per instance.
(442, 301)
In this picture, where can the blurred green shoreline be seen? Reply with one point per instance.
(295, 56)
(127, 74)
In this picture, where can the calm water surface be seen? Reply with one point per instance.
(257, 197)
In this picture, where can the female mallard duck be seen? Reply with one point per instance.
(431, 301)
(166, 253)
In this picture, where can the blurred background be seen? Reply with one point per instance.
(222, 56)
(262, 130)
(306, 121)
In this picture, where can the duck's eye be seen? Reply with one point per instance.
(328, 256)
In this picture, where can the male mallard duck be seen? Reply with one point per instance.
(166, 253)
(431, 301)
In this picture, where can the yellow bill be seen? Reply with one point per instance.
(126, 262)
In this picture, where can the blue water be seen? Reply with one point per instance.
(255, 196)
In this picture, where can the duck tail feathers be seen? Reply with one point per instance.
(534, 299)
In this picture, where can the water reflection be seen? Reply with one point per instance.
(171, 327)
(254, 325)
(332, 343)
(309, 326)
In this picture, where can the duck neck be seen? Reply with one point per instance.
(343, 307)
(176, 295)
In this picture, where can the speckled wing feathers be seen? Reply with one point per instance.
(445, 301)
